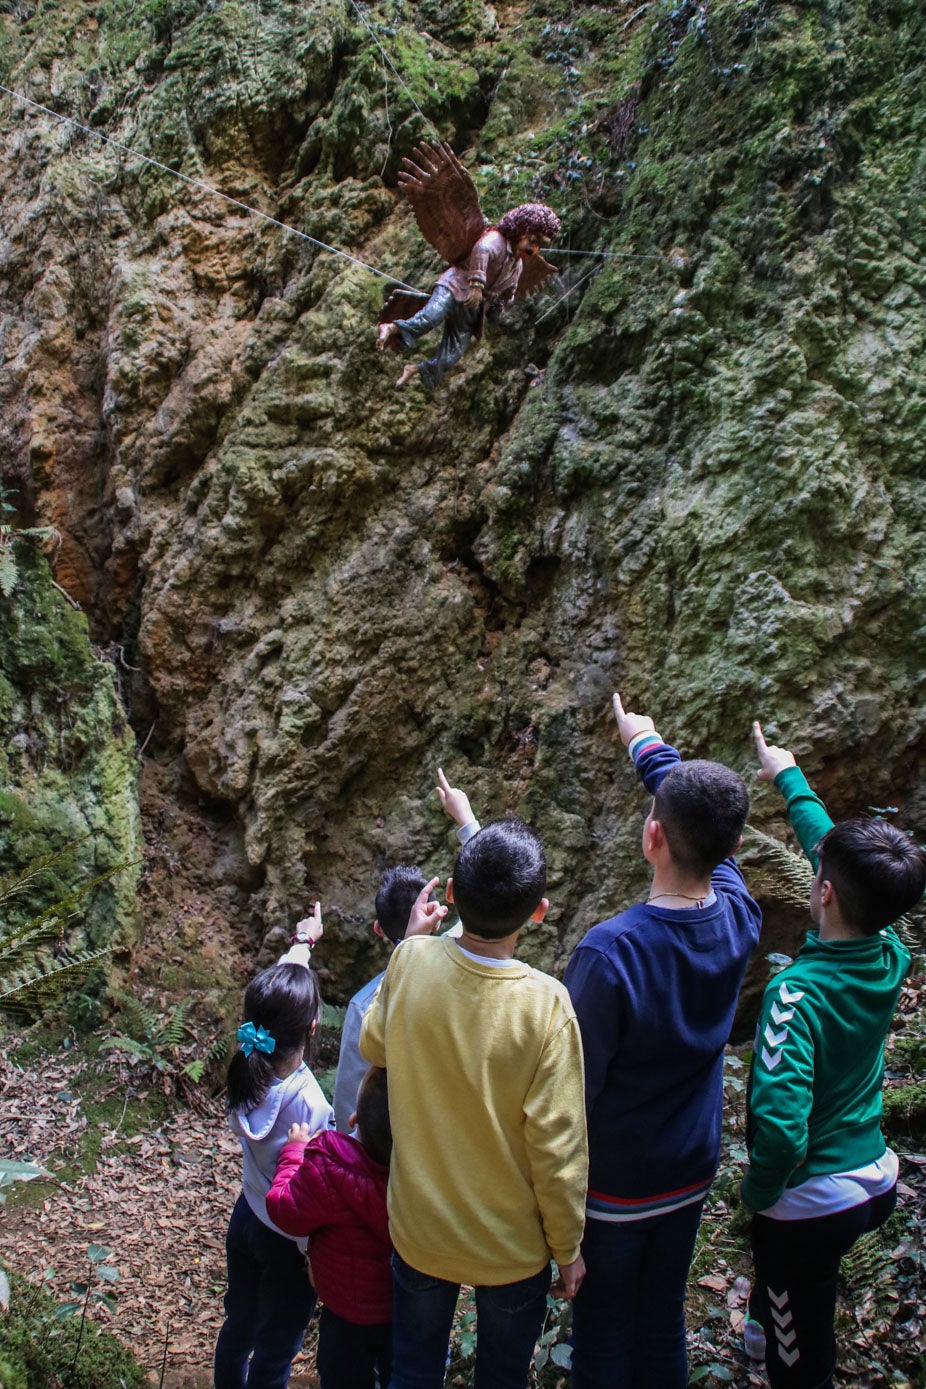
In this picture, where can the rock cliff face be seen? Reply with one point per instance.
(696, 476)
(68, 770)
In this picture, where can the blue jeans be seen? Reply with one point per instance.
(267, 1306)
(508, 1322)
(629, 1315)
(459, 324)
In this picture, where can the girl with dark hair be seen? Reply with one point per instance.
(332, 1187)
(269, 1299)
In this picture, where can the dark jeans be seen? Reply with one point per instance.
(350, 1356)
(794, 1295)
(508, 1322)
(267, 1306)
(459, 324)
(629, 1315)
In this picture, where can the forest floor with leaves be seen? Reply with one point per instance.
(152, 1179)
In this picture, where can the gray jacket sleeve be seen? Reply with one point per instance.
(351, 1069)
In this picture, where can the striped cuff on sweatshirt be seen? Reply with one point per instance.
(641, 741)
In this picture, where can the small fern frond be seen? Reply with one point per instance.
(173, 1029)
(791, 873)
(140, 1022)
(9, 570)
(41, 983)
(29, 934)
(12, 887)
(122, 1043)
(332, 1016)
(217, 1052)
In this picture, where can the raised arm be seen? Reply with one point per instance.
(455, 803)
(306, 936)
(807, 813)
(652, 757)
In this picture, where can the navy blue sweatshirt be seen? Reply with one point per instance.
(655, 992)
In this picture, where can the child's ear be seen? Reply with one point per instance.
(541, 911)
(313, 1027)
(378, 930)
(449, 893)
(655, 835)
(827, 893)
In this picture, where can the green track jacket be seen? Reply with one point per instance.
(818, 1066)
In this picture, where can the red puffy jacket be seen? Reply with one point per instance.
(333, 1191)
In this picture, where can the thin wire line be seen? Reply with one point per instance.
(565, 296)
(207, 188)
(611, 255)
(399, 78)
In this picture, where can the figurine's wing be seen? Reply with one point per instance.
(535, 274)
(444, 200)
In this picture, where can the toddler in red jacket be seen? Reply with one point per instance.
(332, 1187)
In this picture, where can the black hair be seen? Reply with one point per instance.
(702, 807)
(499, 878)
(373, 1124)
(876, 870)
(285, 1001)
(395, 898)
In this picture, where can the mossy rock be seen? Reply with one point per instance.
(67, 759)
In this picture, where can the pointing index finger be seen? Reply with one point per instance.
(761, 745)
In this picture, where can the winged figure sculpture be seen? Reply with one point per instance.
(489, 264)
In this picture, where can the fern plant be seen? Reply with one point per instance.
(154, 1038)
(37, 966)
(789, 875)
(163, 1041)
(9, 535)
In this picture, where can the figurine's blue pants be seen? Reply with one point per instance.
(459, 324)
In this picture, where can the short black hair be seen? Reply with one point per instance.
(395, 898)
(499, 878)
(285, 1001)
(876, 870)
(702, 807)
(373, 1125)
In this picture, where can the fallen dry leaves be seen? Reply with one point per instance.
(159, 1201)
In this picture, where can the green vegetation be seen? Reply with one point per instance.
(32, 977)
(67, 763)
(43, 1345)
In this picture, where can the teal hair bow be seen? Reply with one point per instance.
(255, 1039)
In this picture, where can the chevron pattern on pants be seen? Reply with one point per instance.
(786, 1347)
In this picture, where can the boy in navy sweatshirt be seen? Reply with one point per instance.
(655, 990)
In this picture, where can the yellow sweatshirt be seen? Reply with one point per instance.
(486, 1098)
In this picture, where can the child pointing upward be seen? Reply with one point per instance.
(820, 1174)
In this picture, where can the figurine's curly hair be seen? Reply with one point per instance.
(529, 217)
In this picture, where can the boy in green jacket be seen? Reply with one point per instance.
(820, 1174)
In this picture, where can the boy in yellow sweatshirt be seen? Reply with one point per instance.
(486, 1101)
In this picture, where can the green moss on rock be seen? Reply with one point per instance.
(67, 758)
